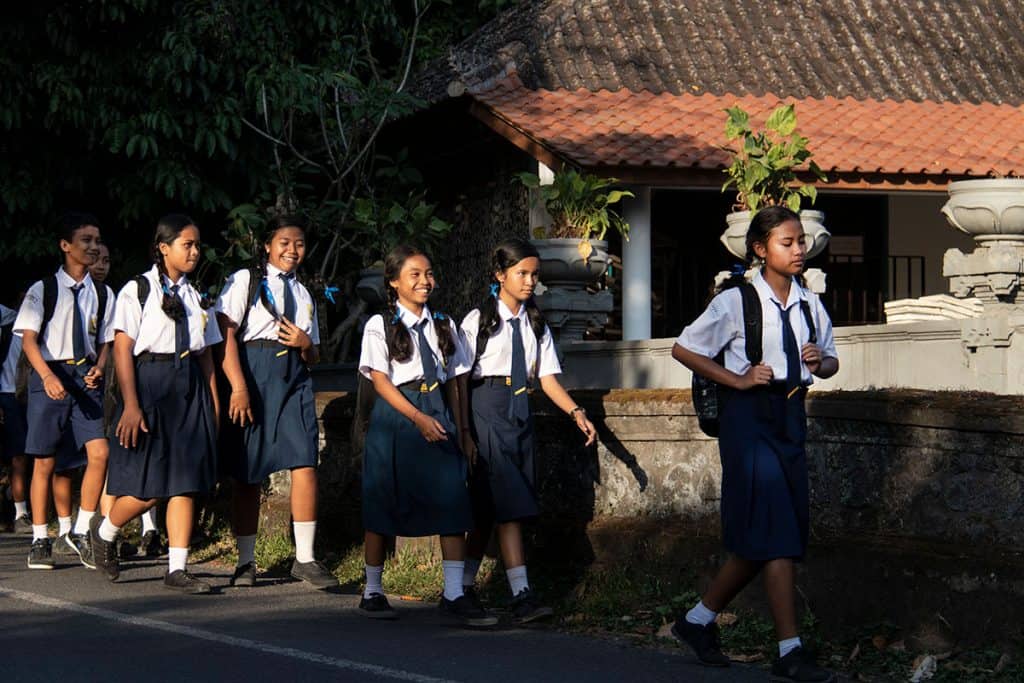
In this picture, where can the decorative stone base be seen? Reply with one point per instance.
(570, 312)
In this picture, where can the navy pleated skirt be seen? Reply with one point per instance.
(503, 487)
(412, 487)
(764, 474)
(284, 435)
(178, 455)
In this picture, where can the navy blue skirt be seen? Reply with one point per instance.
(178, 455)
(764, 474)
(284, 435)
(503, 486)
(412, 487)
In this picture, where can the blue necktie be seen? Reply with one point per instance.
(519, 405)
(794, 367)
(426, 355)
(289, 296)
(181, 338)
(78, 330)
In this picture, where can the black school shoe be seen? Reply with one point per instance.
(41, 554)
(703, 640)
(376, 607)
(183, 582)
(798, 667)
(315, 574)
(23, 525)
(104, 555)
(64, 547)
(473, 597)
(151, 545)
(463, 609)
(525, 608)
(244, 576)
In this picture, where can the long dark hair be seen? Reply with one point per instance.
(259, 269)
(395, 332)
(507, 254)
(761, 226)
(167, 230)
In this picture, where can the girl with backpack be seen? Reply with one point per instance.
(764, 502)
(268, 321)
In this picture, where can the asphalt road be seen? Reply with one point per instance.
(70, 624)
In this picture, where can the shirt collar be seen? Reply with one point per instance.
(506, 313)
(409, 318)
(163, 279)
(274, 271)
(765, 291)
(67, 281)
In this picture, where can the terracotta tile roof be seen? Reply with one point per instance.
(939, 50)
(643, 129)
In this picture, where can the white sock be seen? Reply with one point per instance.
(374, 575)
(788, 645)
(700, 614)
(82, 522)
(63, 525)
(20, 508)
(305, 532)
(246, 549)
(107, 531)
(176, 559)
(517, 580)
(149, 520)
(469, 573)
(39, 531)
(453, 572)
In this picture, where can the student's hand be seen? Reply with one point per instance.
(430, 428)
(757, 375)
(469, 448)
(54, 388)
(585, 426)
(811, 356)
(290, 335)
(129, 425)
(94, 377)
(239, 410)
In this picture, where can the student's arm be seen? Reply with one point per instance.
(51, 384)
(469, 448)
(95, 374)
(206, 366)
(706, 367)
(430, 428)
(561, 398)
(819, 365)
(239, 406)
(132, 420)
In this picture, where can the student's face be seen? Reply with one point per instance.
(415, 281)
(183, 253)
(84, 247)
(101, 268)
(785, 250)
(520, 280)
(286, 249)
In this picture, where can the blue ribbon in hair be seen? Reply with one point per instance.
(738, 270)
(438, 315)
(397, 319)
(270, 295)
(329, 293)
(494, 289)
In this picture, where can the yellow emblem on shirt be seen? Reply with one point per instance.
(309, 311)
(92, 325)
(205, 318)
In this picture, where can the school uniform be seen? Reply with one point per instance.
(412, 487)
(503, 483)
(284, 433)
(68, 345)
(14, 427)
(764, 501)
(177, 456)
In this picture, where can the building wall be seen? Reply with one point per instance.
(917, 228)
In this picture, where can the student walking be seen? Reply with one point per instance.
(12, 421)
(764, 500)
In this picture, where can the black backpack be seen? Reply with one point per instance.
(707, 394)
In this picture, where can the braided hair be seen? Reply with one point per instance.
(258, 271)
(506, 255)
(167, 230)
(395, 332)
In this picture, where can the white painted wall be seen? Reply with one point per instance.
(916, 228)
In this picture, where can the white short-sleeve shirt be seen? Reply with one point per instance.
(151, 328)
(496, 359)
(57, 343)
(720, 327)
(374, 354)
(261, 324)
(9, 364)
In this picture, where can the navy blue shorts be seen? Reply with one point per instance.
(14, 427)
(80, 413)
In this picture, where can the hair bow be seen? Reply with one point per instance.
(397, 319)
(738, 269)
(494, 289)
(270, 295)
(438, 315)
(329, 293)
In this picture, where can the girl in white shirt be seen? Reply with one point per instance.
(512, 348)
(166, 430)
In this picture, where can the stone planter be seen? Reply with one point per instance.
(569, 308)
(562, 266)
(735, 236)
(990, 209)
(370, 288)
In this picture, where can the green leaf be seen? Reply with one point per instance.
(793, 202)
(782, 120)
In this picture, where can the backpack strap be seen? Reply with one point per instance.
(49, 304)
(255, 281)
(805, 306)
(752, 322)
(102, 292)
(6, 337)
(142, 289)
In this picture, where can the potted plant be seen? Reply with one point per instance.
(763, 173)
(573, 250)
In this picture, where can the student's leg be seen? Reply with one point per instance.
(732, 578)
(42, 474)
(180, 520)
(303, 501)
(779, 584)
(19, 478)
(453, 556)
(374, 551)
(61, 484)
(93, 481)
(245, 515)
(103, 531)
(106, 501)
